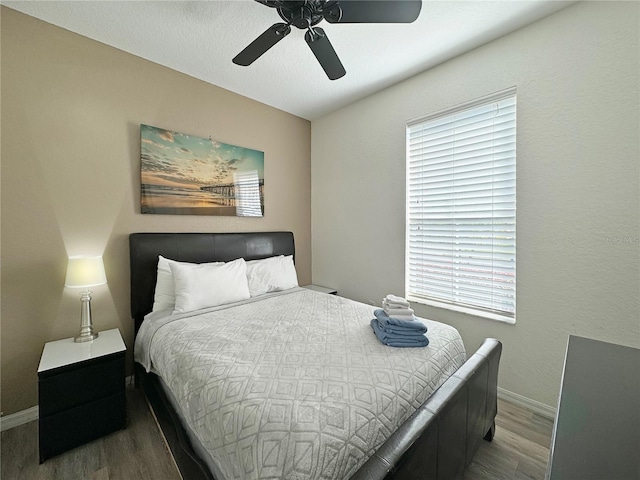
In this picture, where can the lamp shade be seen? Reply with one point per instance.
(85, 271)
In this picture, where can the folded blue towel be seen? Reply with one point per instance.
(412, 326)
(405, 332)
(395, 340)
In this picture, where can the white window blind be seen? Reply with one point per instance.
(461, 207)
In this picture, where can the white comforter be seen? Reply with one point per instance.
(294, 385)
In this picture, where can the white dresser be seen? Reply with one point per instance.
(596, 435)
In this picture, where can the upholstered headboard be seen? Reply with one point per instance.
(144, 249)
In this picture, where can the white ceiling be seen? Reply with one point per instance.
(200, 38)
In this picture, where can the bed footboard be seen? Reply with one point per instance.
(438, 442)
(441, 438)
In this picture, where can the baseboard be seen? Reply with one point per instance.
(524, 402)
(18, 418)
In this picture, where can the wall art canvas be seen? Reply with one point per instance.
(188, 175)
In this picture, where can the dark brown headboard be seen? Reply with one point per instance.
(144, 249)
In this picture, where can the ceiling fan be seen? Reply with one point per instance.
(306, 14)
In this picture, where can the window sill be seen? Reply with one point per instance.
(469, 311)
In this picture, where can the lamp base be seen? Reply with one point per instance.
(89, 337)
(86, 325)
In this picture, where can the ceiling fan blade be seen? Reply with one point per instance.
(372, 11)
(260, 45)
(324, 52)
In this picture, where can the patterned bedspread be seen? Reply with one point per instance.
(294, 385)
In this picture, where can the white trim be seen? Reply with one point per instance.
(524, 402)
(491, 97)
(18, 418)
(459, 308)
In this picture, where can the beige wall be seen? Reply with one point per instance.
(578, 233)
(71, 110)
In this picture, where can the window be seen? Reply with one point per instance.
(461, 208)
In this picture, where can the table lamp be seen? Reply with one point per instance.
(83, 272)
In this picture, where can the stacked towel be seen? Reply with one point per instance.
(396, 302)
(395, 340)
(398, 332)
(398, 325)
(397, 307)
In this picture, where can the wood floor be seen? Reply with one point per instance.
(519, 450)
(136, 453)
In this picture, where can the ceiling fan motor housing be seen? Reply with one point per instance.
(303, 14)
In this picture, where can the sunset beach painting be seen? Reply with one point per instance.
(187, 175)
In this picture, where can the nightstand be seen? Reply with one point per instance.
(81, 392)
(318, 288)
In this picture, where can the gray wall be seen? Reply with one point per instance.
(578, 197)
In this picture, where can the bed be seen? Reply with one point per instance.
(429, 428)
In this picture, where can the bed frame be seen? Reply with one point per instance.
(437, 442)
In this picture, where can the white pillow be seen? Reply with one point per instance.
(204, 285)
(289, 278)
(271, 274)
(164, 297)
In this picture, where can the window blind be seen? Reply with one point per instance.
(461, 207)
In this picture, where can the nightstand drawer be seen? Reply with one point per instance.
(68, 387)
(79, 425)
